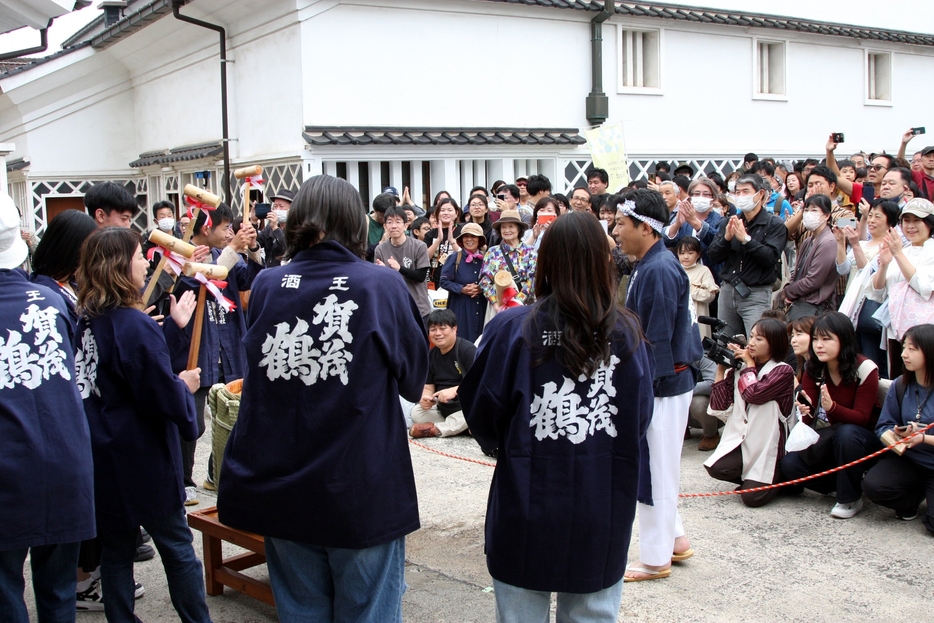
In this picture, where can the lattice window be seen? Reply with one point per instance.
(575, 177)
(39, 190)
(277, 176)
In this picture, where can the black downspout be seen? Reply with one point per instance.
(43, 46)
(176, 5)
(598, 105)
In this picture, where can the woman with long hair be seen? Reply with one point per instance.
(441, 240)
(860, 263)
(328, 357)
(906, 275)
(56, 258)
(136, 407)
(564, 389)
(902, 482)
(838, 399)
(794, 184)
(799, 337)
(461, 278)
(755, 403)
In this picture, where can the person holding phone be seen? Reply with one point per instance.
(545, 211)
(841, 387)
(902, 482)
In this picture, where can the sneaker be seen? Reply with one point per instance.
(145, 535)
(845, 511)
(209, 485)
(191, 496)
(144, 552)
(907, 515)
(138, 590)
(90, 600)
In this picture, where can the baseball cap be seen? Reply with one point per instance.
(13, 250)
(391, 190)
(921, 208)
(927, 150)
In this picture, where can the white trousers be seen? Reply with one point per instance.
(454, 424)
(660, 525)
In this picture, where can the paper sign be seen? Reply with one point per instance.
(608, 151)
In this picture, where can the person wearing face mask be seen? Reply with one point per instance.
(748, 246)
(272, 237)
(812, 289)
(163, 215)
(697, 219)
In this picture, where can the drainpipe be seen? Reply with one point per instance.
(598, 105)
(43, 46)
(176, 5)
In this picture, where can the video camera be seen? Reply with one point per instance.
(716, 346)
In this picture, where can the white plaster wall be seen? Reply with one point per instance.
(459, 66)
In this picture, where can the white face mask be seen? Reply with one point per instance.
(166, 224)
(812, 221)
(281, 215)
(731, 185)
(745, 203)
(701, 204)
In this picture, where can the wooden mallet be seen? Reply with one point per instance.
(245, 174)
(211, 271)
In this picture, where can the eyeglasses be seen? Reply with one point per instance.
(878, 167)
(477, 205)
(580, 199)
(699, 194)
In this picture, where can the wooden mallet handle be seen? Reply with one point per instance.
(246, 173)
(211, 271)
(195, 347)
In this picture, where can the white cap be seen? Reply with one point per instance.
(13, 250)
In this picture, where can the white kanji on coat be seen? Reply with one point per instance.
(41, 322)
(86, 360)
(291, 353)
(563, 413)
(335, 316)
(18, 364)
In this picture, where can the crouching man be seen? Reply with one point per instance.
(438, 413)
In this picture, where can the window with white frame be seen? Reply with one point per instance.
(640, 66)
(769, 69)
(878, 77)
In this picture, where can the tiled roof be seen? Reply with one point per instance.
(11, 68)
(178, 154)
(735, 18)
(319, 136)
(17, 164)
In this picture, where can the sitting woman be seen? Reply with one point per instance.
(136, 408)
(838, 398)
(461, 278)
(755, 404)
(902, 482)
(800, 339)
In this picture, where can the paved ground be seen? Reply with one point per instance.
(789, 561)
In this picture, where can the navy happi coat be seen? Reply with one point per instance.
(320, 452)
(46, 473)
(137, 408)
(563, 498)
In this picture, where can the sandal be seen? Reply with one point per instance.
(651, 574)
(682, 556)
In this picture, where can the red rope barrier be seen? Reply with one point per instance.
(715, 493)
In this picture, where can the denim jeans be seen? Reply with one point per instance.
(172, 537)
(521, 605)
(315, 584)
(53, 580)
(850, 442)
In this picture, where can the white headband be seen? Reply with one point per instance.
(628, 208)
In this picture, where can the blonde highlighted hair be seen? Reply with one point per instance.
(105, 272)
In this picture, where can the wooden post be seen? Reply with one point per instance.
(195, 347)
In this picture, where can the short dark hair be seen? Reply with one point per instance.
(396, 211)
(905, 174)
(750, 157)
(776, 334)
(640, 183)
(442, 317)
(846, 163)
(717, 179)
(682, 181)
(59, 250)
(648, 203)
(220, 215)
(756, 181)
(889, 158)
(598, 201)
(383, 202)
(890, 210)
(764, 166)
(495, 186)
(162, 205)
(109, 197)
(601, 173)
(419, 222)
(662, 165)
(922, 336)
(538, 184)
(821, 201)
(545, 201)
(513, 190)
(478, 189)
(822, 171)
(688, 243)
(327, 205)
(811, 162)
(563, 200)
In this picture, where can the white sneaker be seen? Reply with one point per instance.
(90, 600)
(845, 511)
(191, 496)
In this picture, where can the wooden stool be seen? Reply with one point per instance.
(220, 572)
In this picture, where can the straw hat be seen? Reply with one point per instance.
(471, 229)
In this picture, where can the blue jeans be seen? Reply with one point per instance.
(53, 580)
(315, 584)
(172, 537)
(846, 443)
(521, 605)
